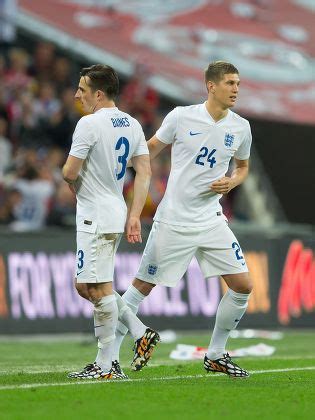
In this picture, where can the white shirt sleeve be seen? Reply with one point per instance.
(167, 132)
(243, 151)
(142, 148)
(83, 139)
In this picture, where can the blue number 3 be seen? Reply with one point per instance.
(122, 141)
(80, 259)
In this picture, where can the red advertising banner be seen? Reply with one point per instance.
(272, 44)
(297, 292)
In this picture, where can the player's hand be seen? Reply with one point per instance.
(222, 185)
(133, 230)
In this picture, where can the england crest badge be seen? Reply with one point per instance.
(152, 269)
(228, 139)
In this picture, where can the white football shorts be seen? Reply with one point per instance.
(170, 248)
(95, 259)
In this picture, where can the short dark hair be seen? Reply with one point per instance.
(102, 77)
(216, 70)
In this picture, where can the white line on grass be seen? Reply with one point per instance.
(165, 378)
(31, 369)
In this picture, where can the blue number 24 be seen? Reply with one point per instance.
(122, 142)
(210, 158)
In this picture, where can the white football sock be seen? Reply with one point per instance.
(133, 298)
(230, 310)
(105, 322)
(127, 317)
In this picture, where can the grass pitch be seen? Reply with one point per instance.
(33, 382)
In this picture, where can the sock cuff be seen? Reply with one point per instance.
(120, 302)
(135, 293)
(122, 305)
(238, 297)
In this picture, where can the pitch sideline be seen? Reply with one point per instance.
(166, 378)
(29, 370)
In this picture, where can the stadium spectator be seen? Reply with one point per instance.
(42, 67)
(9, 201)
(5, 148)
(140, 99)
(37, 116)
(62, 75)
(17, 76)
(25, 120)
(31, 212)
(59, 127)
(2, 76)
(62, 212)
(47, 104)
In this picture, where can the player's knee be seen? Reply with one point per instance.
(239, 283)
(248, 285)
(143, 287)
(93, 296)
(244, 287)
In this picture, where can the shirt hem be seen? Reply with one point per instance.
(190, 225)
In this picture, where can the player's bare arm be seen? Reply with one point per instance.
(142, 167)
(70, 172)
(155, 147)
(225, 184)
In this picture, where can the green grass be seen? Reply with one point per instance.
(33, 383)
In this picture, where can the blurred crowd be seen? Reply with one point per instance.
(37, 117)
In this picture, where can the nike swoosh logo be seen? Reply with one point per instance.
(79, 272)
(194, 134)
(98, 326)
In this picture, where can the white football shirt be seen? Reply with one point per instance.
(106, 140)
(201, 152)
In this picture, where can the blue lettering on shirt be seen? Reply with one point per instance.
(120, 122)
